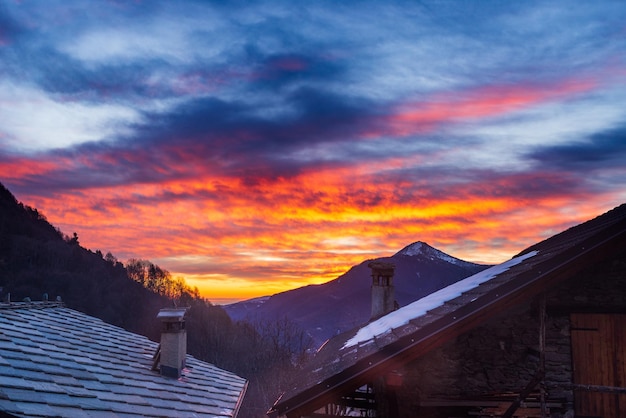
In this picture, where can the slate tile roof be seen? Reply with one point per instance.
(347, 361)
(57, 362)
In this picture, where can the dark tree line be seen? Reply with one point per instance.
(37, 258)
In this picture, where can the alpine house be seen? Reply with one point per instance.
(540, 335)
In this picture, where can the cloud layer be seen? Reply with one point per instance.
(261, 146)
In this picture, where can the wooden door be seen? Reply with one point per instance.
(599, 363)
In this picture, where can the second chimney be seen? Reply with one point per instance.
(173, 350)
(383, 295)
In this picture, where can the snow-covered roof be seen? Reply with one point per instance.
(348, 360)
(418, 308)
(57, 362)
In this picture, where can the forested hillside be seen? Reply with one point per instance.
(36, 259)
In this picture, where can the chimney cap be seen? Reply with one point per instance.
(172, 314)
(381, 265)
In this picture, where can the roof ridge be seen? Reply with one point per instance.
(32, 305)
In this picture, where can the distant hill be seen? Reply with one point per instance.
(37, 259)
(341, 304)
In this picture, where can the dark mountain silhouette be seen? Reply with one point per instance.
(341, 304)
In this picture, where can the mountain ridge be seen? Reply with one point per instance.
(345, 302)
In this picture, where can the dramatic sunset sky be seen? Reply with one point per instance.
(252, 147)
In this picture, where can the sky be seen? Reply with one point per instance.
(254, 147)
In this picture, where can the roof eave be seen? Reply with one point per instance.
(240, 399)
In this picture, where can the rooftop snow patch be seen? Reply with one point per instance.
(418, 308)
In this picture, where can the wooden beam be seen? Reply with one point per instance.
(542, 353)
(599, 388)
(523, 394)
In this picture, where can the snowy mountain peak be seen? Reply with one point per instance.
(416, 248)
(425, 250)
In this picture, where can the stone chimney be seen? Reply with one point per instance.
(173, 348)
(383, 295)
